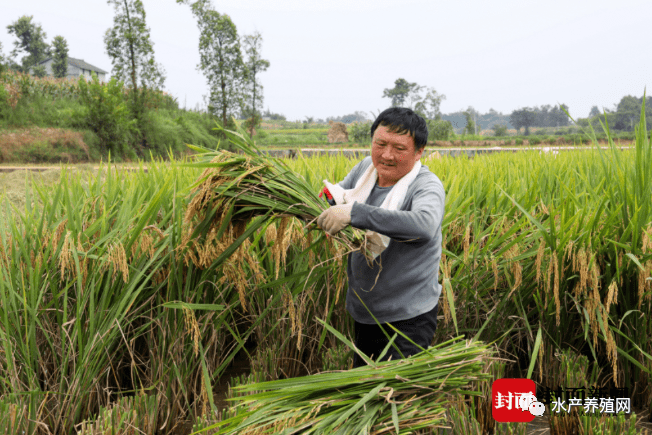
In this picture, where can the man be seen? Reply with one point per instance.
(401, 204)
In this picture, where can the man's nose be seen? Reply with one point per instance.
(387, 153)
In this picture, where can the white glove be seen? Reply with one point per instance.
(336, 191)
(334, 219)
(374, 243)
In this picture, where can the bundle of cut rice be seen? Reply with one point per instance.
(381, 398)
(238, 193)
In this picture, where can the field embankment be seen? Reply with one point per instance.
(58, 120)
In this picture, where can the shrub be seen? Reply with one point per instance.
(439, 129)
(4, 103)
(105, 112)
(535, 140)
(519, 141)
(359, 131)
(499, 129)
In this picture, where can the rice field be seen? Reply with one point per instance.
(115, 314)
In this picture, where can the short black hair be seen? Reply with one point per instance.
(402, 120)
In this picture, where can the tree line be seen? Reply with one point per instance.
(624, 116)
(233, 78)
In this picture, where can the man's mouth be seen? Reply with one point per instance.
(387, 164)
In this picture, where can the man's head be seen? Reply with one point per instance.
(399, 137)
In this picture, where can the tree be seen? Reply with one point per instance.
(60, 64)
(132, 53)
(499, 129)
(31, 40)
(402, 91)
(220, 60)
(255, 65)
(39, 71)
(3, 60)
(428, 107)
(438, 129)
(594, 112)
(470, 123)
(628, 113)
(558, 117)
(524, 117)
(357, 116)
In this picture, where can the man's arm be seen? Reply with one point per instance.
(420, 222)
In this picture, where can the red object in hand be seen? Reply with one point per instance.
(327, 192)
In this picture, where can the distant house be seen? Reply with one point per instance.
(76, 68)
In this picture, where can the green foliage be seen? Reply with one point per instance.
(524, 117)
(5, 109)
(255, 65)
(3, 60)
(60, 63)
(130, 49)
(359, 131)
(59, 103)
(439, 129)
(470, 123)
(428, 106)
(30, 40)
(518, 141)
(105, 112)
(499, 129)
(594, 112)
(252, 123)
(357, 116)
(39, 71)
(401, 91)
(220, 61)
(535, 140)
(274, 116)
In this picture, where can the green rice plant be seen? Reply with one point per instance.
(383, 396)
(463, 421)
(14, 419)
(511, 429)
(337, 358)
(595, 424)
(128, 415)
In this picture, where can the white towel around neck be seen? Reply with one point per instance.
(363, 188)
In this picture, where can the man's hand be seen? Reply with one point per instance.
(374, 243)
(334, 219)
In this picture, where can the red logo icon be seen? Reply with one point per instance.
(514, 400)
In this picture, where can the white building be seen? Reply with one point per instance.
(76, 68)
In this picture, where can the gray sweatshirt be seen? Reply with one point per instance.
(408, 283)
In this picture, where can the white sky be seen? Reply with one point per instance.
(333, 57)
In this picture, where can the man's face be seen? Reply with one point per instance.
(393, 155)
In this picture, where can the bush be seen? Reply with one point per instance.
(359, 131)
(535, 140)
(439, 129)
(105, 112)
(499, 129)
(4, 103)
(518, 141)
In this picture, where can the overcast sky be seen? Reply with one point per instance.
(334, 57)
